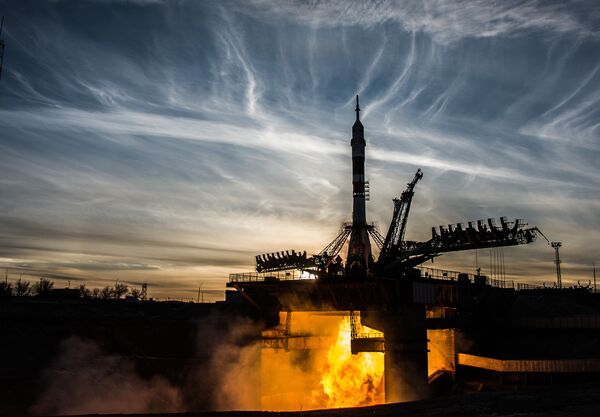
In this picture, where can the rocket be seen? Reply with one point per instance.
(359, 256)
(359, 210)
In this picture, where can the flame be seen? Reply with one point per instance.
(351, 380)
(320, 371)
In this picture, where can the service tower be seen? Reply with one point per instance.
(359, 258)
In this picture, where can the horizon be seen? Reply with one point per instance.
(171, 142)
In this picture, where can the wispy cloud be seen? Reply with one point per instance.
(169, 142)
(446, 21)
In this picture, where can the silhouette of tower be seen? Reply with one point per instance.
(359, 257)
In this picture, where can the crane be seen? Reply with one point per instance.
(394, 239)
(398, 255)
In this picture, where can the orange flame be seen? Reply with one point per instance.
(351, 380)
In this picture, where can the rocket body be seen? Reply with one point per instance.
(359, 249)
(359, 210)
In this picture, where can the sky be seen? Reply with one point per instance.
(169, 142)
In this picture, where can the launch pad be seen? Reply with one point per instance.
(391, 294)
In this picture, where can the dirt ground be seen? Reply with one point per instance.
(575, 400)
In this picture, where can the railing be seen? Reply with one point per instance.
(497, 283)
(294, 274)
(443, 274)
(528, 286)
(500, 283)
(377, 335)
(177, 299)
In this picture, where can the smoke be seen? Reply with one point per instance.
(84, 380)
(222, 374)
(224, 369)
(234, 365)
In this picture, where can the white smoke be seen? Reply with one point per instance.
(83, 380)
(224, 375)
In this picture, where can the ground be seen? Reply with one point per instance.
(557, 401)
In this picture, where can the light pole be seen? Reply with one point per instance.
(557, 261)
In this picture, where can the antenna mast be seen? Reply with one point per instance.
(557, 261)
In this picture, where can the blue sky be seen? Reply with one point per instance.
(171, 141)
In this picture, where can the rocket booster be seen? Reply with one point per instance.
(359, 211)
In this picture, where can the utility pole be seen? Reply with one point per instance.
(501, 255)
(557, 261)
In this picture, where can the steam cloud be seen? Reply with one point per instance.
(233, 366)
(85, 379)
(221, 372)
